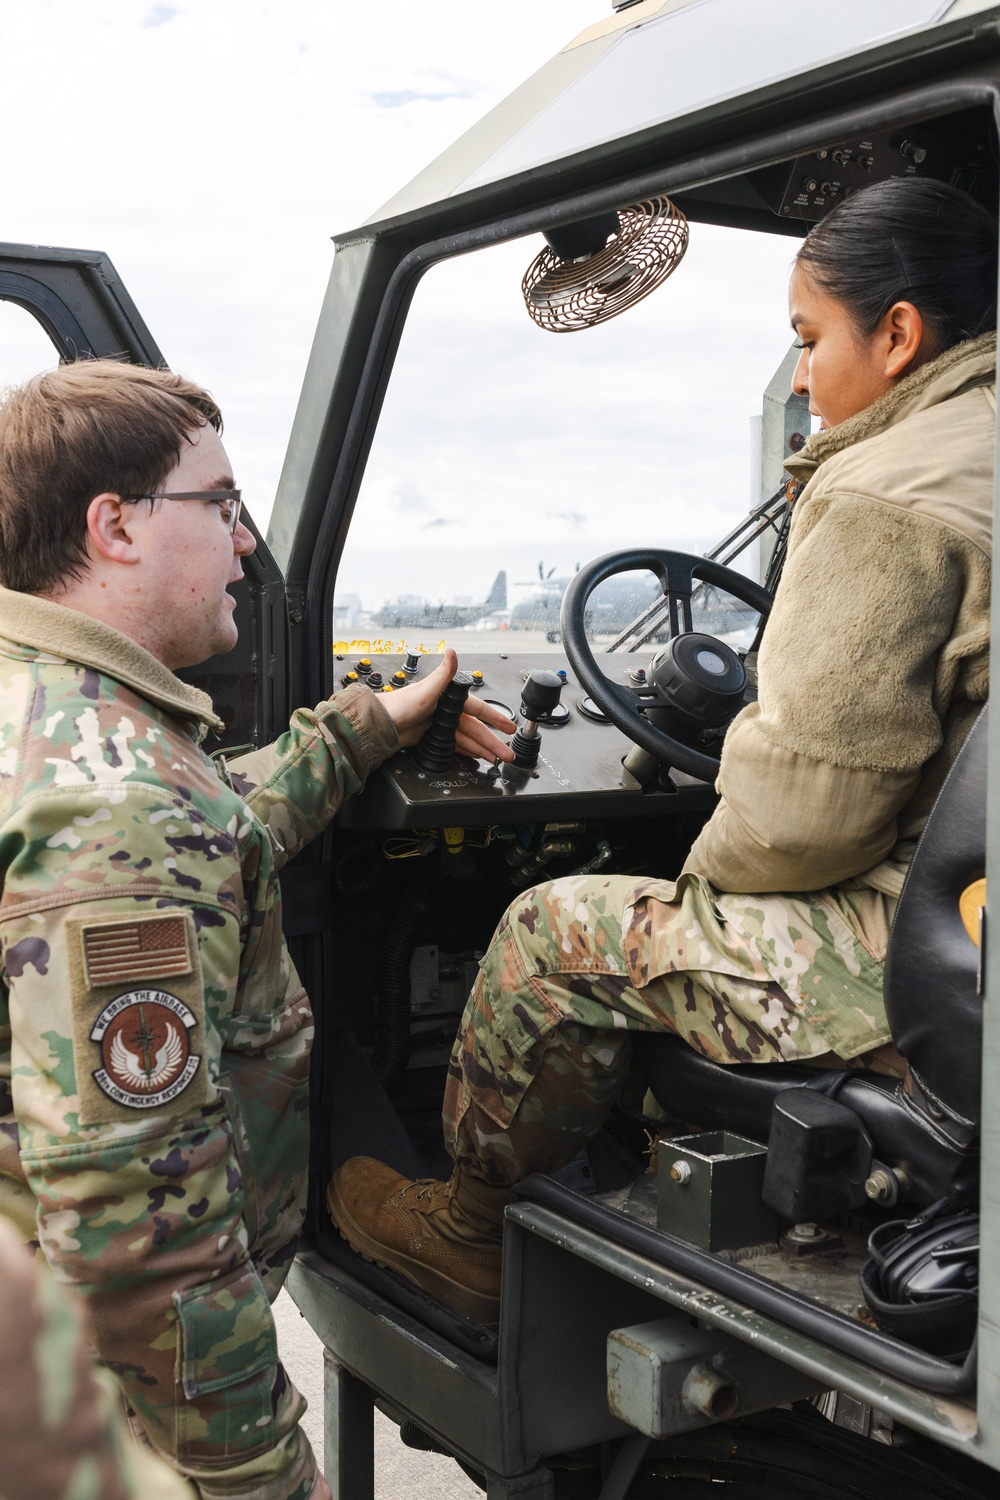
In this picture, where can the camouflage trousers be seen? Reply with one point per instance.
(63, 1434)
(578, 964)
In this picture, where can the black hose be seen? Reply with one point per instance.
(887, 1355)
(392, 1001)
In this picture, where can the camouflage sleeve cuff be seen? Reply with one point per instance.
(376, 731)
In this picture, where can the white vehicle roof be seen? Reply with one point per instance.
(657, 61)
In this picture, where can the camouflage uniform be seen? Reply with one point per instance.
(155, 1034)
(578, 964)
(63, 1434)
(873, 667)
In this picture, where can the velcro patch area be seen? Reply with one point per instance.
(138, 1015)
(144, 949)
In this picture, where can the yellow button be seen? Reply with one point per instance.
(399, 676)
(350, 676)
(477, 677)
(387, 687)
(365, 661)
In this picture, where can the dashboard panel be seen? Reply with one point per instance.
(579, 771)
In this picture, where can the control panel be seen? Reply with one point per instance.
(817, 181)
(566, 751)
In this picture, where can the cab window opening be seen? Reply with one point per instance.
(506, 456)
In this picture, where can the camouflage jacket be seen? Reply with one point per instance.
(155, 1036)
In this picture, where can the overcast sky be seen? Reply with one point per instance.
(212, 147)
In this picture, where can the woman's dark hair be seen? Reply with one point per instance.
(910, 239)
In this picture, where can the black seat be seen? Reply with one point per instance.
(927, 1126)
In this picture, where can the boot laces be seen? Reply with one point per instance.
(422, 1189)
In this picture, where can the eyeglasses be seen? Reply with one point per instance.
(230, 502)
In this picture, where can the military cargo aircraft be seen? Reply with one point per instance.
(640, 1353)
(617, 601)
(422, 614)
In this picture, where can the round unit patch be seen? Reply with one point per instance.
(145, 1048)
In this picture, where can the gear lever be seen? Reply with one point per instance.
(539, 696)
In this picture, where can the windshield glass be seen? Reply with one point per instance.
(506, 455)
(25, 347)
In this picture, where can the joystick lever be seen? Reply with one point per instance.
(539, 696)
(436, 749)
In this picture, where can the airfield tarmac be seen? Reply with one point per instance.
(401, 1473)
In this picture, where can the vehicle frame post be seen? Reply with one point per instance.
(349, 1432)
(625, 1467)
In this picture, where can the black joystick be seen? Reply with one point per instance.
(539, 696)
(436, 749)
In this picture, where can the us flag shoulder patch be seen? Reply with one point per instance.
(144, 948)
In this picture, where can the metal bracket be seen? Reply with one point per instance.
(672, 1376)
(538, 1485)
(625, 1467)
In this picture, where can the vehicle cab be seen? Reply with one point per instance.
(664, 1326)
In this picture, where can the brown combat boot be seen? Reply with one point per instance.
(445, 1236)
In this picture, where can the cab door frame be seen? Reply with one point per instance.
(375, 272)
(83, 305)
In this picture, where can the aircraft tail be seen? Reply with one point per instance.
(497, 596)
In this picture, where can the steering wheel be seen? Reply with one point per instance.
(676, 572)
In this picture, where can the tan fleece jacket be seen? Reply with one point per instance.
(876, 656)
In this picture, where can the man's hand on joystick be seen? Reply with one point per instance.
(412, 708)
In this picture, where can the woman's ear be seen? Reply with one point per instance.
(906, 339)
(112, 529)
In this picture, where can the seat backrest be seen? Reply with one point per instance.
(932, 967)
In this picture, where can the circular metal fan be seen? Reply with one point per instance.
(565, 290)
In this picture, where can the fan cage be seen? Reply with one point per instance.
(567, 296)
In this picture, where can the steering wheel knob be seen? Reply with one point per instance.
(697, 682)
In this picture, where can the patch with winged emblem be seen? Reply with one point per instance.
(145, 1047)
(137, 992)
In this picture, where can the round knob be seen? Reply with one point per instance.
(540, 693)
(411, 660)
(697, 681)
(374, 679)
(477, 679)
(399, 678)
(350, 677)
